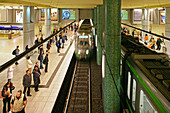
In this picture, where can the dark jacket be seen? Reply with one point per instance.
(48, 45)
(46, 60)
(27, 80)
(38, 69)
(4, 90)
(41, 57)
(36, 77)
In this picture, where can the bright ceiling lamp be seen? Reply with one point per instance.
(8, 7)
(21, 7)
(35, 8)
(160, 8)
(15, 7)
(2, 7)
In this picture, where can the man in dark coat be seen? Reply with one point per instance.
(40, 58)
(38, 68)
(46, 62)
(48, 46)
(36, 77)
(27, 82)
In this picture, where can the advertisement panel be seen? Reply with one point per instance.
(68, 14)
(162, 16)
(19, 16)
(54, 14)
(124, 15)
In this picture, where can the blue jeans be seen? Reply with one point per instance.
(41, 61)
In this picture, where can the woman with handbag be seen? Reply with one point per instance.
(7, 93)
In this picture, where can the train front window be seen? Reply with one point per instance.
(145, 104)
(134, 94)
(129, 83)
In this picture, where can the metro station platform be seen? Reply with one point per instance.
(43, 100)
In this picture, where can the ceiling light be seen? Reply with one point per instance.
(160, 8)
(150, 9)
(2, 7)
(8, 7)
(21, 7)
(35, 7)
(15, 7)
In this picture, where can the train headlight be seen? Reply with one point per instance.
(79, 51)
(87, 52)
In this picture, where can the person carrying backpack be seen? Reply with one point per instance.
(16, 53)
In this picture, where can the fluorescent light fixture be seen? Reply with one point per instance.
(2, 7)
(8, 7)
(137, 9)
(15, 7)
(160, 8)
(21, 7)
(150, 9)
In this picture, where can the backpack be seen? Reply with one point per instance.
(14, 52)
(39, 57)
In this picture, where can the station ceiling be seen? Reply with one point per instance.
(126, 4)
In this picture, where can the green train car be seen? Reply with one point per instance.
(145, 78)
(83, 40)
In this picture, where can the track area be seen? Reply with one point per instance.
(79, 101)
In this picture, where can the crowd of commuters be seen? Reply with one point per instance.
(17, 103)
(149, 40)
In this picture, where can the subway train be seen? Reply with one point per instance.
(145, 78)
(83, 41)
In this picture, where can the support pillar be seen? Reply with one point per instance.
(112, 51)
(167, 29)
(32, 19)
(47, 22)
(99, 33)
(28, 26)
(95, 22)
(145, 21)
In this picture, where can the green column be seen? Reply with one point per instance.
(112, 51)
(99, 33)
(95, 21)
(95, 15)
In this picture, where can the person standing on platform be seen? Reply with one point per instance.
(46, 60)
(40, 58)
(19, 103)
(158, 43)
(58, 46)
(36, 77)
(27, 82)
(37, 66)
(6, 94)
(48, 46)
(41, 49)
(29, 64)
(146, 39)
(10, 73)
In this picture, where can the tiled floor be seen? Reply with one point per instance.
(42, 101)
